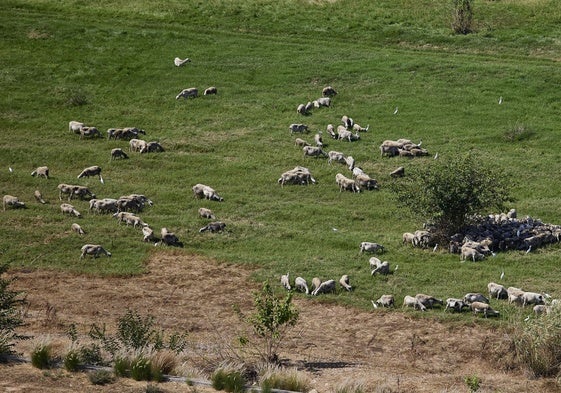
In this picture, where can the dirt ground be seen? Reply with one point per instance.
(386, 351)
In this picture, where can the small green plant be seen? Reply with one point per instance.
(91, 354)
(101, 377)
(41, 356)
(519, 132)
(141, 369)
(229, 379)
(122, 367)
(275, 377)
(10, 319)
(473, 382)
(72, 360)
(462, 16)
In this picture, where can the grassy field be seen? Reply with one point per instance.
(110, 64)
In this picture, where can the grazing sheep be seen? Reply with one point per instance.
(90, 171)
(90, 132)
(323, 101)
(371, 247)
(386, 301)
(152, 147)
(41, 171)
(206, 213)
(78, 229)
(318, 139)
(515, 295)
(285, 281)
(336, 156)
(358, 128)
(39, 197)
(129, 219)
(484, 308)
(399, 172)
(126, 133)
(316, 282)
(181, 62)
(328, 91)
(344, 281)
(428, 301)
(296, 127)
(381, 267)
(331, 131)
(128, 204)
(215, 226)
(469, 252)
(301, 285)
(210, 90)
(347, 122)
(204, 191)
(105, 205)
(308, 107)
(390, 151)
(186, 93)
(325, 287)
(298, 175)
(454, 304)
(301, 109)
(475, 297)
(529, 298)
(540, 309)
(344, 134)
(169, 238)
(137, 145)
(82, 192)
(364, 181)
(346, 184)
(313, 151)
(148, 235)
(497, 291)
(408, 238)
(75, 126)
(300, 142)
(67, 208)
(94, 250)
(65, 189)
(118, 153)
(11, 201)
(410, 301)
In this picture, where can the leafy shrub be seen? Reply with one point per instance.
(472, 382)
(538, 344)
(122, 367)
(91, 354)
(9, 315)
(41, 356)
(101, 377)
(72, 360)
(141, 369)
(229, 379)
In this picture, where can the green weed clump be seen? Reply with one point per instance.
(275, 377)
(229, 379)
(101, 377)
(72, 360)
(41, 356)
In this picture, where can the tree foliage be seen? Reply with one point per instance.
(270, 320)
(10, 318)
(463, 16)
(450, 193)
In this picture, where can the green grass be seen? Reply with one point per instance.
(109, 64)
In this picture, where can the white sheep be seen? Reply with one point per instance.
(331, 131)
(67, 208)
(285, 281)
(75, 126)
(336, 156)
(41, 171)
(475, 297)
(408, 238)
(497, 291)
(89, 132)
(344, 281)
(346, 184)
(215, 226)
(318, 139)
(359, 128)
(529, 298)
(483, 308)
(169, 238)
(118, 153)
(344, 134)
(455, 304)
(152, 147)
(186, 93)
(94, 250)
(39, 197)
(328, 91)
(371, 247)
(410, 301)
(78, 229)
(301, 109)
(181, 62)
(105, 205)
(137, 145)
(301, 285)
(399, 172)
(206, 213)
(11, 201)
(515, 295)
(350, 161)
(347, 122)
(204, 191)
(316, 282)
(90, 171)
(386, 301)
(299, 175)
(428, 301)
(148, 235)
(325, 287)
(381, 267)
(364, 181)
(300, 142)
(313, 151)
(210, 90)
(297, 127)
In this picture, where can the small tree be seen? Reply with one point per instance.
(271, 320)
(449, 194)
(9, 316)
(463, 16)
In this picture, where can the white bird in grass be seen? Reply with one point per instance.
(395, 269)
(527, 319)
(101, 179)
(436, 156)
(178, 62)
(334, 229)
(500, 100)
(11, 169)
(502, 274)
(435, 248)
(396, 110)
(374, 304)
(529, 249)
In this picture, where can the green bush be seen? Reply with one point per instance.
(72, 360)
(473, 382)
(91, 354)
(9, 316)
(274, 377)
(141, 369)
(229, 380)
(101, 377)
(122, 367)
(41, 356)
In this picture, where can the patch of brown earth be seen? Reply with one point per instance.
(388, 351)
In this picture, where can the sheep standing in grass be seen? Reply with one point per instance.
(300, 142)
(215, 226)
(325, 287)
(148, 235)
(94, 250)
(497, 291)
(169, 238)
(371, 247)
(206, 213)
(137, 145)
(152, 147)
(118, 153)
(475, 297)
(410, 301)
(346, 184)
(78, 229)
(39, 197)
(210, 90)
(296, 127)
(186, 93)
(381, 267)
(301, 285)
(455, 304)
(41, 171)
(399, 172)
(428, 301)
(299, 175)
(316, 282)
(344, 282)
(386, 301)
(483, 308)
(328, 91)
(313, 151)
(285, 281)
(11, 201)
(75, 126)
(318, 139)
(90, 171)
(67, 208)
(90, 132)
(204, 191)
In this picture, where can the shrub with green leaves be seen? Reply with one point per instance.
(41, 356)
(9, 315)
(275, 377)
(72, 360)
(141, 370)
(228, 379)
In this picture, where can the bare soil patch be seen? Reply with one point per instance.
(388, 351)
